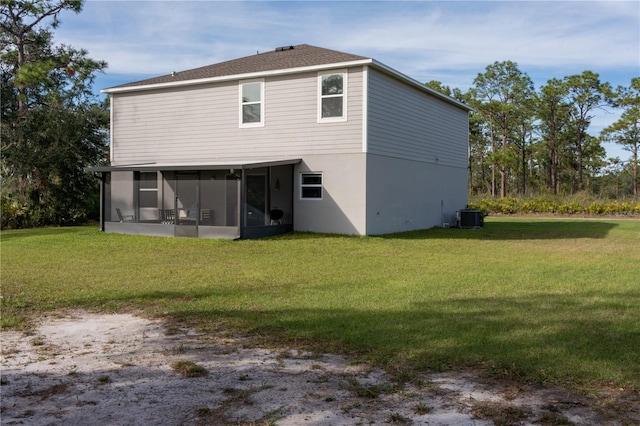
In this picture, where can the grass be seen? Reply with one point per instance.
(545, 301)
(500, 413)
(189, 368)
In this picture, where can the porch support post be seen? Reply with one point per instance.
(294, 195)
(198, 207)
(268, 194)
(102, 198)
(243, 202)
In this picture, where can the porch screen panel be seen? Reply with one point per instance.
(187, 206)
(121, 193)
(148, 184)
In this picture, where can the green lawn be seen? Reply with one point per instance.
(550, 301)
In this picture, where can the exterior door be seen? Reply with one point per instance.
(256, 209)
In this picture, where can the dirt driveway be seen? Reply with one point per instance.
(97, 369)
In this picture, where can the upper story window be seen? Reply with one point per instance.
(332, 96)
(252, 103)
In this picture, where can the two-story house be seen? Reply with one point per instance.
(300, 138)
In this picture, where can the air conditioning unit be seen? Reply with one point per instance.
(469, 219)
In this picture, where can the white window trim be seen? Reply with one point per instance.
(320, 185)
(240, 103)
(345, 85)
(111, 139)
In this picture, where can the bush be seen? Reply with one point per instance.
(13, 214)
(61, 206)
(577, 204)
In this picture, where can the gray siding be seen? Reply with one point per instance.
(406, 123)
(200, 123)
(342, 209)
(412, 173)
(404, 195)
(368, 194)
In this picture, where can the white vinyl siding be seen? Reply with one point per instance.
(406, 123)
(200, 123)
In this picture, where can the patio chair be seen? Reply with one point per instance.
(167, 216)
(206, 216)
(125, 218)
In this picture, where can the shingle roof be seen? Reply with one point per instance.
(281, 59)
(302, 55)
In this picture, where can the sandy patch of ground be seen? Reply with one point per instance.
(99, 369)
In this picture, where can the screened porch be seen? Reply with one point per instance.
(236, 201)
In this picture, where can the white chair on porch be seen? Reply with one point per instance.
(167, 216)
(126, 217)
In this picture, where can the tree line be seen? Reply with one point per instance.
(522, 141)
(528, 142)
(53, 126)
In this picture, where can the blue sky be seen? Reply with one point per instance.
(449, 41)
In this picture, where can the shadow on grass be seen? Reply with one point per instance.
(541, 339)
(516, 230)
(534, 229)
(15, 234)
(562, 339)
(499, 230)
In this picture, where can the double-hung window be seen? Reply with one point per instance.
(311, 186)
(252, 103)
(332, 96)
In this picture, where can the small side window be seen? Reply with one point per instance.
(311, 186)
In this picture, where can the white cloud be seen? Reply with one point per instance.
(537, 33)
(417, 38)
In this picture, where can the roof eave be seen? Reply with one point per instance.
(220, 165)
(244, 76)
